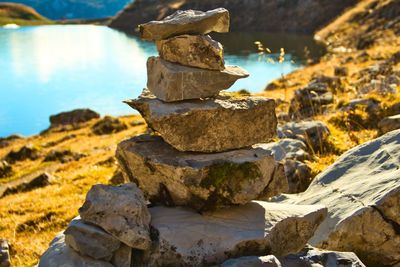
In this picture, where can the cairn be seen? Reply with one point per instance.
(202, 171)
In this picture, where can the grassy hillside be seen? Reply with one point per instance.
(20, 14)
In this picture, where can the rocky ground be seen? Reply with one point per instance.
(349, 97)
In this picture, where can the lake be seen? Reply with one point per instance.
(45, 70)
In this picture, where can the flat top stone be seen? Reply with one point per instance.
(186, 22)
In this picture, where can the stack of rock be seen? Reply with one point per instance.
(203, 174)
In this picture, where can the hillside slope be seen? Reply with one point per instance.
(20, 14)
(252, 15)
(76, 9)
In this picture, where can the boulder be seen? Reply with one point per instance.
(202, 181)
(27, 184)
(121, 211)
(389, 124)
(186, 238)
(108, 125)
(287, 148)
(362, 193)
(5, 169)
(60, 254)
(5, 260)
(27, 152)
(210, 125)
(309, 256)
(193, 50)
(186, 22)
(73, 117)
(310, 101)
(173, 82)
(313, 133)
(90, 240)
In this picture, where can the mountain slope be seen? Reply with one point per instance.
(76, 9)
(252, 15)
(20, 14)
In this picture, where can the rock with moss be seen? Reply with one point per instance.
(173, 82)
(201, 181)
(183, 237)
(362, 193)
(199, 51)
(210, 125)
(186, 22)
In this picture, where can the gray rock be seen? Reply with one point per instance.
(202, 181)
(309, 256)
(298, 175)
(253, 261)
(362, 191)
(313, 133)
(122, 257)
(121, 211)
(59, 254)
(310, 101)
(73, 117)
(377, 86)
(5, 169)
(186, 22)
(193, 50)
(210, 125)
(287, 149)
(90, 240)
(389, 124)
(5, 260)
(186, 238)
(173, 82)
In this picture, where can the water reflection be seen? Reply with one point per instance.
(48, 69)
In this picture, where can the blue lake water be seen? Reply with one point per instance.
(48, 69)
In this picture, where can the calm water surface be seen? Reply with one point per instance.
(48, 69)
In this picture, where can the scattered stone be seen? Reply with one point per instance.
(298, 175)
(341, 71)
(31, 183)
(253, 261)
(108, 125)
(287, 149)
(371, 105)
(202, 181)
(186, 238)
(389, 124)
(310, 101)
(193, 50)
(186, 22)
(313, 133)
(73, 117)
(210, 125)
(378, 87)
(90, 240)
(362, 191)
(63, 156)
(5, 260)
(60, 254)
(173, 82)
(309, 256)
(5, 169)
(121, 211)
(24, 153)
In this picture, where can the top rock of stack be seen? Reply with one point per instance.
(186, 22)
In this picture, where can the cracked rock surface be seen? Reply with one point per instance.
(211, 125)
(202, 181)
(186, 238)
(362, 193)
(186, 22)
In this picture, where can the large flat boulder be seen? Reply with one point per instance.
(121, 211)
(362, 193)
(210, 125)
(186, 22)
(174, 82)
(202, 181)
(186, 238)
(309, 256)
(193, 50)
